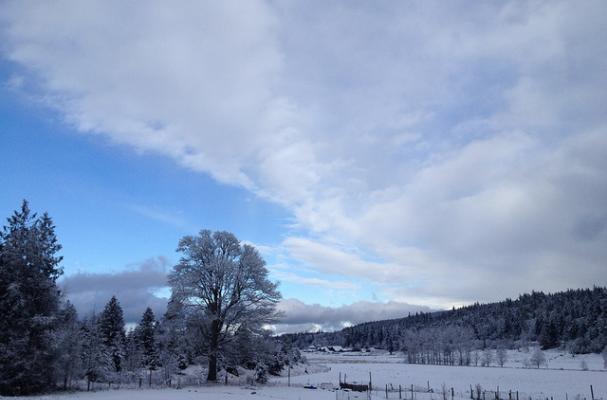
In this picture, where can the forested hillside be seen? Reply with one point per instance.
(575, 320)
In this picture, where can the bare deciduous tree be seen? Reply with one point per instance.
(537, 358)
(226, 284)
(502, 356)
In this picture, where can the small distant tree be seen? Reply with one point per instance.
(476, 357)
(226, 285)
(537, 358)
(487, 358)
(502, 356)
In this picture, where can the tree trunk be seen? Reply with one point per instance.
(213, 348)
(212, 375)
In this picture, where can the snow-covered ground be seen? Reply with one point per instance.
(562, 379)
(198, 393)
(516, 359)
(563, 374)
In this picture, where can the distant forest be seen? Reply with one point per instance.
(575, 320)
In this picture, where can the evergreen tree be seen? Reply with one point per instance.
(69, 345)
(548, 336)
(29, 302)
(147, 341)
(95, 360)
(111, 329)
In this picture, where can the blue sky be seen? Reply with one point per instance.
(383, 157)
(115, 208)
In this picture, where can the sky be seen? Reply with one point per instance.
(384, 157)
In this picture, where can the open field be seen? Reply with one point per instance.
(537, 383)
(563, 379)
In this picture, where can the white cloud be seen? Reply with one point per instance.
(416, 145)
(300, 316)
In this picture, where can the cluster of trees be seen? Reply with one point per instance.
(99, 349)
(574, 319)
(221, 301)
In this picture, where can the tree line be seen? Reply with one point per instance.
(573, 320)
(221, 301)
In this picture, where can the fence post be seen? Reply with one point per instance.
(400, 396)
(370, 386)
(411, 391)
(471, 393)
(452, 393)
(592, 392)
(428, 384)
(386, 390)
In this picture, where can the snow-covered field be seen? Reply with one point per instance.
(516, 359)
(563, 374)
(563, 378)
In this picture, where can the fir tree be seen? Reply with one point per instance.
(111, 329)
(147, 341)
(549, 336)
(29, 302)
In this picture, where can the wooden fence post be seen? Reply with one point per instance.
(592, 392)
(400, 396)
(386, 390)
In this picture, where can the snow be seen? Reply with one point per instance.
(199, 393)
(516, 359)
(538, 383)
(562, 379)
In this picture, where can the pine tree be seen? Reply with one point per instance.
(111, 329)
(29, 302)
(548, 336)
(147, 340)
